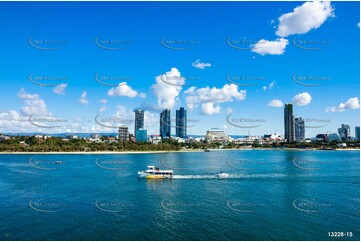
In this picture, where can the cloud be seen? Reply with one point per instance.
(275, 103)
(142, 95)
(310, 15)
(167, 88)
(60, 89)
(208, 97)
(264, 47)
(352, 103)
(210, 108)
(149, 107)
(270, 86)
(124, 90)
(34, 105)
(83, 98)
(151, 122)
(302, 99)
(200, 65)
(103, 101)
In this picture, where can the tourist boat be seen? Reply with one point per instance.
(155, 173)
(223, 175)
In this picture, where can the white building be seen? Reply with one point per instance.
(216, 135)
(155, 139)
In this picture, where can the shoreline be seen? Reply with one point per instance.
(155, 152)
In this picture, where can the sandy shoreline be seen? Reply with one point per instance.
(154, 152)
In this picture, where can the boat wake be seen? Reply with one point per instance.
(231, 176)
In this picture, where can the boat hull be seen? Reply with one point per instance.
(153, 176)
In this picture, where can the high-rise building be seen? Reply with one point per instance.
(141, 135)
(138, 121)
(289, 122)
(357, 133)
(123, 133)
(344, 132)
(181, 123)
(299, 129)
(165, 124)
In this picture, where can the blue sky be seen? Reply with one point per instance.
(195, 45)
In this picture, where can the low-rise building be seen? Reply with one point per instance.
(155, 139)
(216, 135)
(141, 135)
(95, 136)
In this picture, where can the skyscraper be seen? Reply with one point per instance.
(357, 133)
(299, 129)
(289, 122)
(138, 121)
(165, 123)
(344, 132)
(181, 123)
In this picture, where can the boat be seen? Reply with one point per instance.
(223, 175)
(155, 173)
(207, 150)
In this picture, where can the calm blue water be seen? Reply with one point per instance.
(270, 195)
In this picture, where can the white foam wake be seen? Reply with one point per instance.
(231, 176)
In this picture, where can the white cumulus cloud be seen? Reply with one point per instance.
(270, 86)
(310, 15)
(60, 89)
(302, 99)
(123, 90)
(34, 105)
(208, 97)
(167, 88)
(200, 65)
(210, 108)
(275, 103)
(352, 103)
(83, 98)
(268, 47)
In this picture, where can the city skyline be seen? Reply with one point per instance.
(114, 75)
